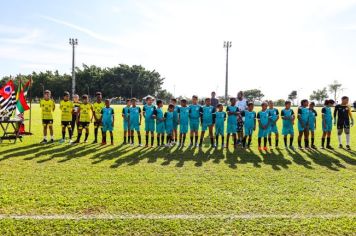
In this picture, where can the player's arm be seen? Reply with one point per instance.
(351, 118)
(139, 111)
(154, 115)
(123, 113)
(144, 111)
(201, 114)
(277, 113)
(254, 122)
(113, 117)
(300, 117)
(336, 110)
(178, 112)
(54, 105)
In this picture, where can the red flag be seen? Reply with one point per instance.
(7, 90)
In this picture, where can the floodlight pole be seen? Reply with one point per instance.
(73, 42)
(227, 45)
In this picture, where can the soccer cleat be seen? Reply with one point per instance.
(70, 141)
(95, 141)
(340, 146)
(329, 147)
(43, 141)
(260, 149)
(61, 141)
(51, 141)
(291, 148)
(85, 141)
(314, 147)
(300, 147)
(265, 149)
(322, 147)
(348, 147)
(112, 143)
(131, 144)
(103, 143)
(140, 145)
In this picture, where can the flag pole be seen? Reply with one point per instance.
(30, 95)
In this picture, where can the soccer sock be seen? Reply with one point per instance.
(312, 141)
(212, 141)
(70, 131)
(191, 140)
(322, 142)
(146, 139)
(184, 136)
(124, 138)
(152, 139)
(259, 142)
(52, 137)
(44, 137)
(180, 139)
(63, 134)
(306, 142)
(86, 136)
(132, 139)
(139, 139)
(228, 139)
(339, 137)
(328, 141)
(112, 137)
(79, 135)
(217, 140)
(104, 138)
(249, 140)
(162, 139)
(270, 141)
(201, 140)
(291, 141)
(96, 134)
(299, 142)
(277, 140)
(348, 139)
(158, 139)
(235, 141)
(244, 141)
(222, 140)
(196, 139)
(285, 141)
(265, 142)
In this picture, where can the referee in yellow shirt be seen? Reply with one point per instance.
(47, 106)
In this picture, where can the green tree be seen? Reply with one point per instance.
(319, 95)
(293, 95)
(254, 95)
(335, 88)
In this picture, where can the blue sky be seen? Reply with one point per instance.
(278, 46)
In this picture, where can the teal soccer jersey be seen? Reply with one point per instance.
(288, 116)
(126, 114)
(183, 119)
(135, 113)
(231, 119)
(169, 122)
(159, 120)
(311, 119)
(274, 114)
(107, 118)
(175, 117)
(263, 117)
(303, 112)
(327, 119)
(194, 116)
(250, 119)
(149, 120)
(207, 114)
(220, 117)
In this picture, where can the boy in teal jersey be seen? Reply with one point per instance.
(148, 110)
(274, 117)
(263, 118)
(303, 125)
(135, 122)
(160, 128)
(232, 112)
(207, 121)
(183, 120)
(327, 123)
(107, 121)
(126, 120)
(288, 118)
(220, 117)
(194, 116)
(312, 123)
(175, 120)
(250, 124)
(169, 121)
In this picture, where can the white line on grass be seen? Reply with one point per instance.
(174, 216)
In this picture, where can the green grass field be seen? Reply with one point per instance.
(89, 189)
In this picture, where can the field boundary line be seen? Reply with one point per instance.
(173, 216)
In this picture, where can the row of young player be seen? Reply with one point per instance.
(194, 116)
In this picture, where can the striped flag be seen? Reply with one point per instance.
(7, 99)
(21, 104)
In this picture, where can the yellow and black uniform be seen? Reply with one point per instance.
(47, 107)
(97, 108)
(76, 106)
(67, 109)
(84, 115)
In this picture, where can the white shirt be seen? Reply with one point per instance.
(242, 105)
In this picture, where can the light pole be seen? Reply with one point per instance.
(227, 45)
(73, 42)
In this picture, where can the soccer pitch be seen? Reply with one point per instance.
(92, 189)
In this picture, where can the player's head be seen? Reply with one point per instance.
(207, 101)
(287, 104)
(250, 106)
(270, 104)
(331, 102)
(213, 94)
(183, 102)
(170, 107)
(220, 107)
(66, 96)
(173, 101)
(159, 103)
(194, 99)
(345, 100)
(233, 101)
(76, 98)
(312, 105)
(149, 100)
(240, 95)
(128, 102)
(47, 94)
(85, 98)
(264, 106)
(107, 102)
(304, 103)
(133, 102)
(98, 96)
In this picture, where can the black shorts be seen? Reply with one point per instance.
(47, 121)
(66, 123)
(83, 125)
(343, 124)
(97, 124)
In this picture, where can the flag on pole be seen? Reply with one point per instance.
(7, 99)
(21, 104)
